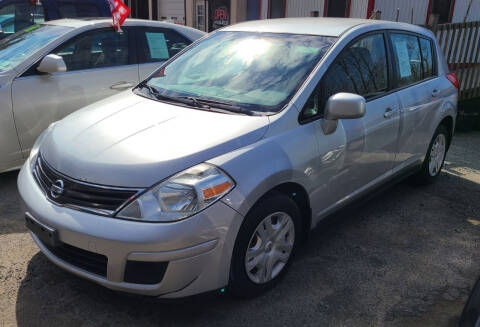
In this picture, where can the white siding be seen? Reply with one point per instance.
(302, 8)
(358, 9)
(461, 10)
(389, 10)
(171, 10)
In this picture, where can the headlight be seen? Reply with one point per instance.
(38, 143)
(180, 196)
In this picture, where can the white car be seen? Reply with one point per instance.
(49, 70)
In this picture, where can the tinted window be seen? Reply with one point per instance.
(361, 68)
(427, 57)
(160, 44)
(256, 71)
(17, 16)
(105, 48)
(408, 58)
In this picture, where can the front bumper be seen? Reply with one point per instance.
(198, 249)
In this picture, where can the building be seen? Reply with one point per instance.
(208, 15)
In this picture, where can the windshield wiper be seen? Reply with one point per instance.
(223, 105)
(155, 93)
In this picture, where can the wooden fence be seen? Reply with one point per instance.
(460, 43)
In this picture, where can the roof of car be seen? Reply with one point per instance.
(101, 22)
(305, 25)
(80, 22)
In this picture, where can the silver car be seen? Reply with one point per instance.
(211, 171)
(49, 70)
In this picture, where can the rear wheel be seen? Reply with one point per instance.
(265, 245)
(435, 157)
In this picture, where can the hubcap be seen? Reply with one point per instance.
(270, 247)
(437, 154)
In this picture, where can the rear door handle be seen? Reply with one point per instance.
(388, 113)
(123, 85)
(435, 93)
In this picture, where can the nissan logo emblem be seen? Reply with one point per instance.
(57, 189)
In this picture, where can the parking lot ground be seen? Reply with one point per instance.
(407, 257)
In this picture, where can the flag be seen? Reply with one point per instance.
(120, 12)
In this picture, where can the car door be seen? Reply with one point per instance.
(100, 63)
(418, 93)
(156, 45)
(369, 143)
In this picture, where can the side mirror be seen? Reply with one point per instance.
(52, 64)
(342, 106)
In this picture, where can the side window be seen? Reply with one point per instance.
(98, 49)
(360, 68)
(160, 44)
(427, 57)
(408, 58)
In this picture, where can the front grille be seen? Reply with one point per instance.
(86, 260)
(80, 195)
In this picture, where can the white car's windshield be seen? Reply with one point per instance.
(255, 71)
(21, 45)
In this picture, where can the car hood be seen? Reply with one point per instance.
(131, 141)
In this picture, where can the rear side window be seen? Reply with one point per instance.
(98, 49)
(427, 57)
(361, 68)
(158, 45)
(408, 58)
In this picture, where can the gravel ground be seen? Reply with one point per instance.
(407, 257)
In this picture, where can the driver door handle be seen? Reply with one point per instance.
(388, 113)
(123, 85)
(435, 93)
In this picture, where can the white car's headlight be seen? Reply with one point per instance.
(180, 196)
(38, 143)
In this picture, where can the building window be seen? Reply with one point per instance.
(277, 9)
(442, 8)
(200, 21)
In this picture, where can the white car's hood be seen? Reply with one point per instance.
(131, 141)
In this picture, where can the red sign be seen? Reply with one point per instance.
(120, 12)
(221, 13)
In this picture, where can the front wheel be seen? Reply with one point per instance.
(435, 157)
(265, 245)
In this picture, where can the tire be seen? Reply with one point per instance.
(266, 247)
(430, 171)
(471, 313)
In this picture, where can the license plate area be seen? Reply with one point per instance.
(46, 234)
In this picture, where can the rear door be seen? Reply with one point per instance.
(155, 46)
(418, 92)
(100, 63)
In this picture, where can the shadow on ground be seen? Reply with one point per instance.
(11, 211)
(407, 257)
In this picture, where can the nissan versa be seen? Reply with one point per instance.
(209, 173)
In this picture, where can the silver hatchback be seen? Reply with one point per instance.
(210, 172)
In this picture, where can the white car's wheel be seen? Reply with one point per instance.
(265, 245)
(435, 157)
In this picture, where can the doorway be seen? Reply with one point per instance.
(337, 8)
(139, 9)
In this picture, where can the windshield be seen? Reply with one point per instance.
(21, 45)
(255, 71)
